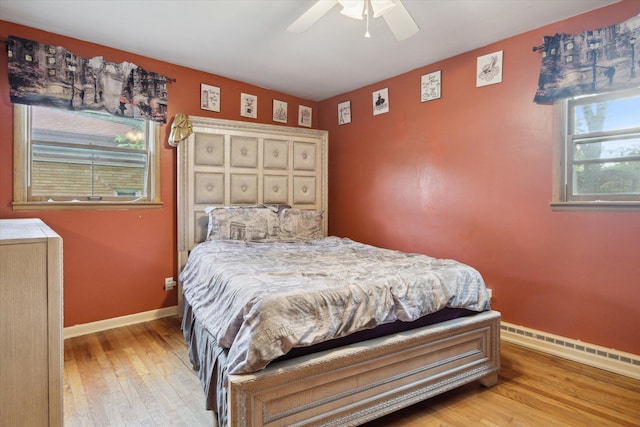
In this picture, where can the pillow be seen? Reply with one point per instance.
(301, 224)
(249, 223)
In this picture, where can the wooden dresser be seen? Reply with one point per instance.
(31, 349)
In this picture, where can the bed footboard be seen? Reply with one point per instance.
(364, 381)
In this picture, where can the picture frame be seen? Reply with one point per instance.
(248, 105)
(431, 86)
(280, 110)
(305, 116)
(344, 113)
(381, 101)
(489, 69)
(209, 97)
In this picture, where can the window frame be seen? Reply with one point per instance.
(22, 171)
(562, 158)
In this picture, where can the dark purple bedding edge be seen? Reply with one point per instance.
(380, 331)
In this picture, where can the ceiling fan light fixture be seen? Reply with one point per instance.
(397, 17)
(355, 8)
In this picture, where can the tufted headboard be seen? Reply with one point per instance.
(229, 163)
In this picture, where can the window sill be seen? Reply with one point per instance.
(600, 206)
(97, 205)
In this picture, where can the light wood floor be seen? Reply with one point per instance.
(140, 375)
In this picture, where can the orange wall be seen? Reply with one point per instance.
(115, 261)
(468, 176)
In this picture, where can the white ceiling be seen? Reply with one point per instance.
(247, 40)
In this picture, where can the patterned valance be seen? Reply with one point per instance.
(52, 76)
(594, 61)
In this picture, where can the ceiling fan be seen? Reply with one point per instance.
(394, 13)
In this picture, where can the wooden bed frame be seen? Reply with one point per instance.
(236, 163)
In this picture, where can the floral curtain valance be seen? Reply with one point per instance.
(52, 76)
(595, 61)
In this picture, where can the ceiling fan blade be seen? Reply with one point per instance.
(400, 22)
(310, 17)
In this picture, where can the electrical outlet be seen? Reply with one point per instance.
(490, 292)
(169, 283)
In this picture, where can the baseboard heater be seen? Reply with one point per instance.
(612, 360)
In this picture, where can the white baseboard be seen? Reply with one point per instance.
(116, 322)
(612, 360)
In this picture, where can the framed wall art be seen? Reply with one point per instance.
(279, 111)
(304, 116)
(248, 105)
(381, 101)
(489, 69)
(209, 97)
(430, 86)
(344, 112)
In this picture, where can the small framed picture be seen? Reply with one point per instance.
(209, 98)
(381, 101)
(430, 86)
(304, 116)
(279, 111)
(344, 112)
(489, 69)
(248, 105)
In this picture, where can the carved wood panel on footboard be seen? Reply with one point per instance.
(364, 381)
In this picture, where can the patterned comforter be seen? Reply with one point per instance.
(259, 300)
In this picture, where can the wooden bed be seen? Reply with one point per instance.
(227, 163)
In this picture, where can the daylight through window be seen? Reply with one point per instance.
(601, 149)
(84, 157)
